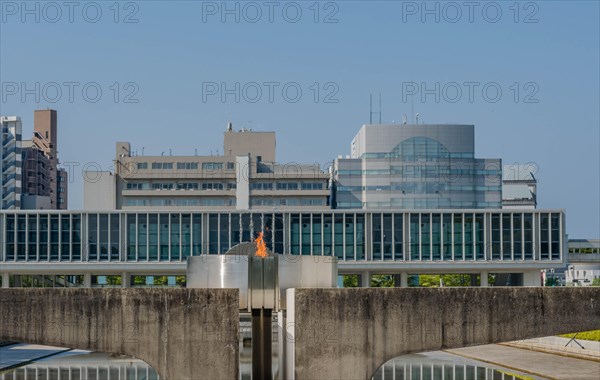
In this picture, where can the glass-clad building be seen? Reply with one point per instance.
(359, 236)
(419, 166)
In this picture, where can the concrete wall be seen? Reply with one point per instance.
(350, 333)
(99, 191)
(181, 333)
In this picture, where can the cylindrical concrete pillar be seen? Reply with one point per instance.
(365, 279)
(483, 279)
(5, 280)
(87, 280)
(125, 279)
(404, 280)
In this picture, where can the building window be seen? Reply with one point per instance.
(212, 166)
(162, 165)
(187, 166)
(142, 165)
(312, 186)
(212, 186)
(261, 186)
(287, 186)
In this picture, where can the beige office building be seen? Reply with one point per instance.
(247, 176)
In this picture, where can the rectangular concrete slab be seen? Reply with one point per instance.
(181, 333)
(350, 333)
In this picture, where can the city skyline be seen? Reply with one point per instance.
(169, 93)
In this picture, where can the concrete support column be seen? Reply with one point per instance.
(404, 280)
(397, 280)
(532, 278)
(281, 344)
(87, 280)
(365, 279)
(125, 279)
(484, 279)
(5, 280)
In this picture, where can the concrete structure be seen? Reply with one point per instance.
(128, 244)
(519, 186)
(583, 264)
(245, 177)
(416, 167)
(35, 180)
(10, 162)
(350, 333)
(45, 143)
(181, 333)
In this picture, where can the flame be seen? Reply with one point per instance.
(261, 247)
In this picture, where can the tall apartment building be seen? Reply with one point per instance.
(42, 172)
(41, 183)
(10, 162)
(416, 167)
(246, 176)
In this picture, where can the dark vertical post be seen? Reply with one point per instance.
(261, 344)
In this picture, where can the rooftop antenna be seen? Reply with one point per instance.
(170, 152)
(143, 150)
(380, 108)
(371, 112)
(370, 108)
(404, 119)
(195, 151)
(229, 127)
(417, 116)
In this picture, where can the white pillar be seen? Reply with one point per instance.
(125, 279)
(532, 278)
(404, 280)
(365, 279)
(5, 280)
(87, 280)
(483, 279)
(282, 341)
(242, 189)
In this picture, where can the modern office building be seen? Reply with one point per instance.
(10, 162)
(412, 199)
(416, 167)
(583, 264)
(247, 176)
(519, 186)
(36, 163)
(86, 248)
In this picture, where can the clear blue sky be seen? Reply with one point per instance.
(375, 46)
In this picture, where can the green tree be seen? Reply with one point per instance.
(382, 281)
(350, 281)
(596, 282)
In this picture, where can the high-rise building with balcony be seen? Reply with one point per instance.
(10, 162)
(33, 178)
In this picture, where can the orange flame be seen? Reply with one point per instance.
(261, 247)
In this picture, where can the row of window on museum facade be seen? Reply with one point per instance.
(391, 236)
